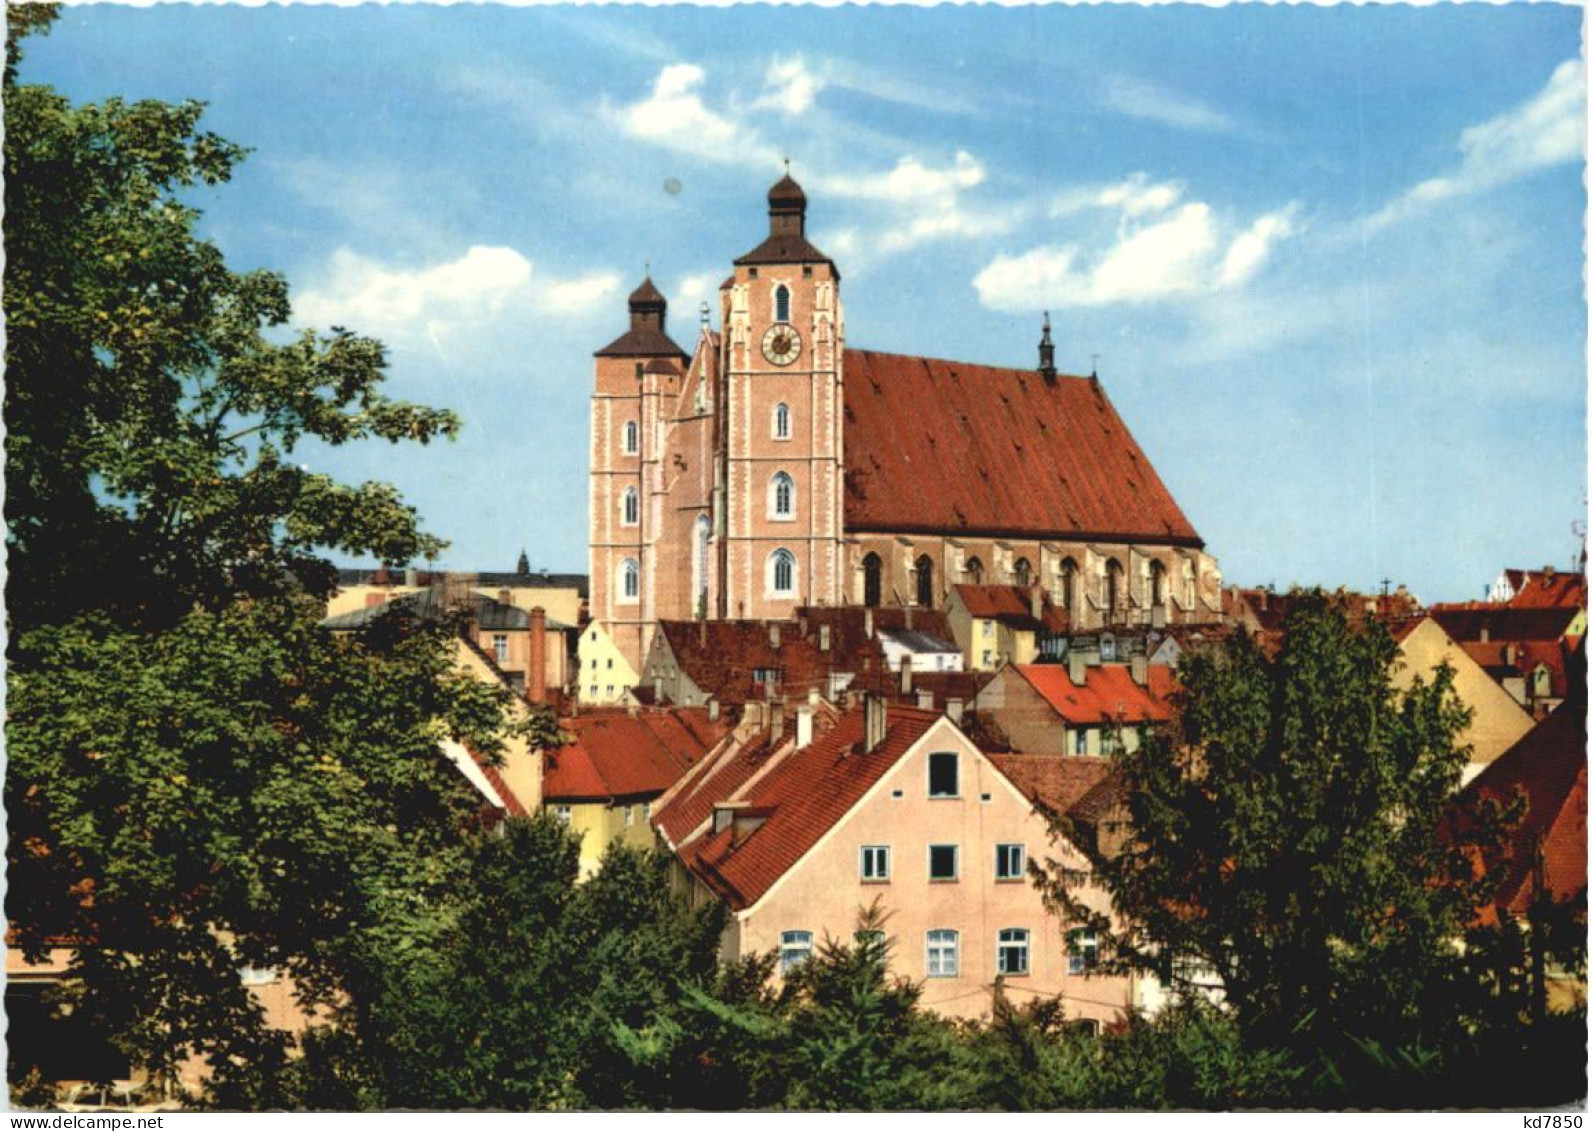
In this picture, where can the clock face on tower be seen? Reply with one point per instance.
(782, 344)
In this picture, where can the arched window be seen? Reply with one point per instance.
(630, 507)
(974, 571)
(782, 422)
(1157, 585)
(782, 303)
(782, 496)
(924, 568)
(1024, 571)
(782, 573)
(700, 564)
(629, 579)
(872, 576)
(1069, 583)
(632, 437)
(1113, 593)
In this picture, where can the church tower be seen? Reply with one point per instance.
(626, 441)
(778, 494)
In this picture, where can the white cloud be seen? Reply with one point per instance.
(1249, 252)
(791, 87)
(925, 203)
(1139, 99)
(1547, 130)
(1137, 196)
(565, 296)
(912, 182)
(674, 117)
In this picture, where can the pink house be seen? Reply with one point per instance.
(797, 832)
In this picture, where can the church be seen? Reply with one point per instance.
(773, 467)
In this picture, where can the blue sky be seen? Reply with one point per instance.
(1330, 259)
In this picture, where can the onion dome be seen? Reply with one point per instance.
(787, 196)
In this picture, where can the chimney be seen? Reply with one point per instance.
(875, 722)
(804, 727)
(657, 689)
(823, 638)
(1263, 596)
(906, 674)
(1486, 634)
(1077, 667)
(953, 709)
(1157, 616)
(925, 699)
(632, 708)
(1139, 666)
(536, 662)
(411, 576)
(909, 618)
(867, 622)
(812, 697)
(505, 597)
(1547, 575)
(773, 634)
(724, 813)
(776, 723)
(1036, 606)
(713, 709)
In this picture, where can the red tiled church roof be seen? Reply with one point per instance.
(627, 755)
(800, 798)
(1109, 693)
(1031, 459)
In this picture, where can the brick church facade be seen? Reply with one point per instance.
(772, 467)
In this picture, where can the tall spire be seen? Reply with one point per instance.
(1047, 354)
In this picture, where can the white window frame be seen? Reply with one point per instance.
(956, 864)
(1083, 950)
(629, 581)
(1002, 851)
(629, 507)
(942, 953)
(632, 438)
(873, 863)
(780, 425)
(787, 512)
(1015, 941)
(500, 647)
(795, 947)
(563, 812)
(774, 559)
(929, 772)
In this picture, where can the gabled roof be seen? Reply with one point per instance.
(622, 755)
(1032, 459)
(723, 657)
(1521, 657)
(1503, 622)
(849, 643)
(1108, 694)
(917, 642)
(1536, 589)
(799, 799)
(1012, 605)
(1548, 765)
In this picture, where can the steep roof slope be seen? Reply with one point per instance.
(627, 755)
(1031, 458)
(1108, 694)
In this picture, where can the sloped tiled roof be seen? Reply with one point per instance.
(1032, 459)
(1537, 589)
(1549, 766)
(849, 642)
(623, 755)
(1502, 622)
(1012, 605)
(1108, 694)
(718, 776)
(722, 657)
(801, 798)
(1057, 781)
(1509, 657)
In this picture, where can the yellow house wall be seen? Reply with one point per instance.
(522, 766)
(599, 823)
(603, 666)
(1498, 722)
(824, 891)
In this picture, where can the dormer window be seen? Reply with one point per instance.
(782, 303)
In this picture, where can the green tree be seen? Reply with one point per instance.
(1286, 837)
(199, 779)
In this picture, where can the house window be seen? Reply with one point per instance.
(1108, 648)
(500, 647)
(1083, 951)
(646, 810)
(563, 812)
(1110, 740)
(630, 815)
(875, 862)
(943, 953)
(782, 303)
(632, 437)
(1010, 861)
(1080, 741)
(988, 627)
(1011, 951)
(872, 580)
(1023, 570)
(942, 775)
(795, 947)
(782, 573)
(629, 579)
(974, 571)
(942, 863)
(630, 507)
(257, 975)
(782, 422)
(989, 659)
(925, 571)
(782, 496)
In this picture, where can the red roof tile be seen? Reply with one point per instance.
(1109, 693)
(624, 755)
(1057, 781)
(1034, 459)
(723, 657)
(1503, 622)
(803, 794)
(1012, 605)
(1536, 589)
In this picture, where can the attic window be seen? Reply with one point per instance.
(943, 775)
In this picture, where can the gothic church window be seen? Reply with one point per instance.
(782, 303)
(629, 579)
(974, 571)
(1157, 584)
(1113, 589)
(1069, 583)
(1024, 571)
(872, 577)
(782, 422)
(632, 437)
(782, 496)
(924, 568)
(782, 573)
(630, 507)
